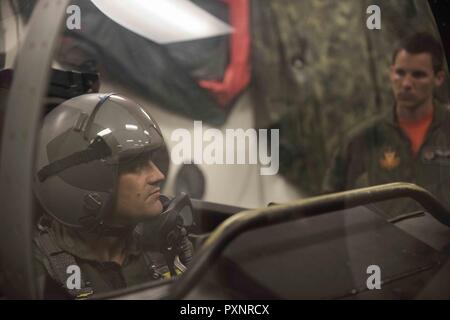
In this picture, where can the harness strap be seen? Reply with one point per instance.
(58, 263)
(157, 263)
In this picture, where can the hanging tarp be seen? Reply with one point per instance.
(137, 63)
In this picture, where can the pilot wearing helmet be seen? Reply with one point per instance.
(101, 159)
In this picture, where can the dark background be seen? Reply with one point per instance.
(441, 11)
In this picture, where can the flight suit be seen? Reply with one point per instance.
(379, 152)
(58, 248)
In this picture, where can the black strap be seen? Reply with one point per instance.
(157, 264)
(102, 100)
(58, 264)
(98, 149)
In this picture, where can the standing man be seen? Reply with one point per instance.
(411, 143)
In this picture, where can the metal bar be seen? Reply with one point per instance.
(252, 219)
(22, 118)
(2, 41)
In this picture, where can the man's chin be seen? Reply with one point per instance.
(154, 210)
(407, 104)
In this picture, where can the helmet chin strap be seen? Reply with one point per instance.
(95, 222)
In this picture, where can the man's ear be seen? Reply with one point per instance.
(439, 78)
(391, 72)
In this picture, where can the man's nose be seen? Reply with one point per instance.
(155, 175)
(407, 82)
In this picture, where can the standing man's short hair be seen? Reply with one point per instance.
(423, 42)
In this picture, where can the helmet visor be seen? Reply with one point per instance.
(117, 132)
(127, 129)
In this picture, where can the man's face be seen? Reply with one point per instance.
(138, 191)
(413, 79)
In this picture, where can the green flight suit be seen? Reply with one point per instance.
(379, 152)
(98, 276)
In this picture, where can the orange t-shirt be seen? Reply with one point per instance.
(416, 130)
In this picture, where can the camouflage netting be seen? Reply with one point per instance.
(318, 71)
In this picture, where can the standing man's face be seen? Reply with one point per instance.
(413, 79)
(138, 192)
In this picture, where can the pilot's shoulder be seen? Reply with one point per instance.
(365, 130)
(39, 255)
(446, 108)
